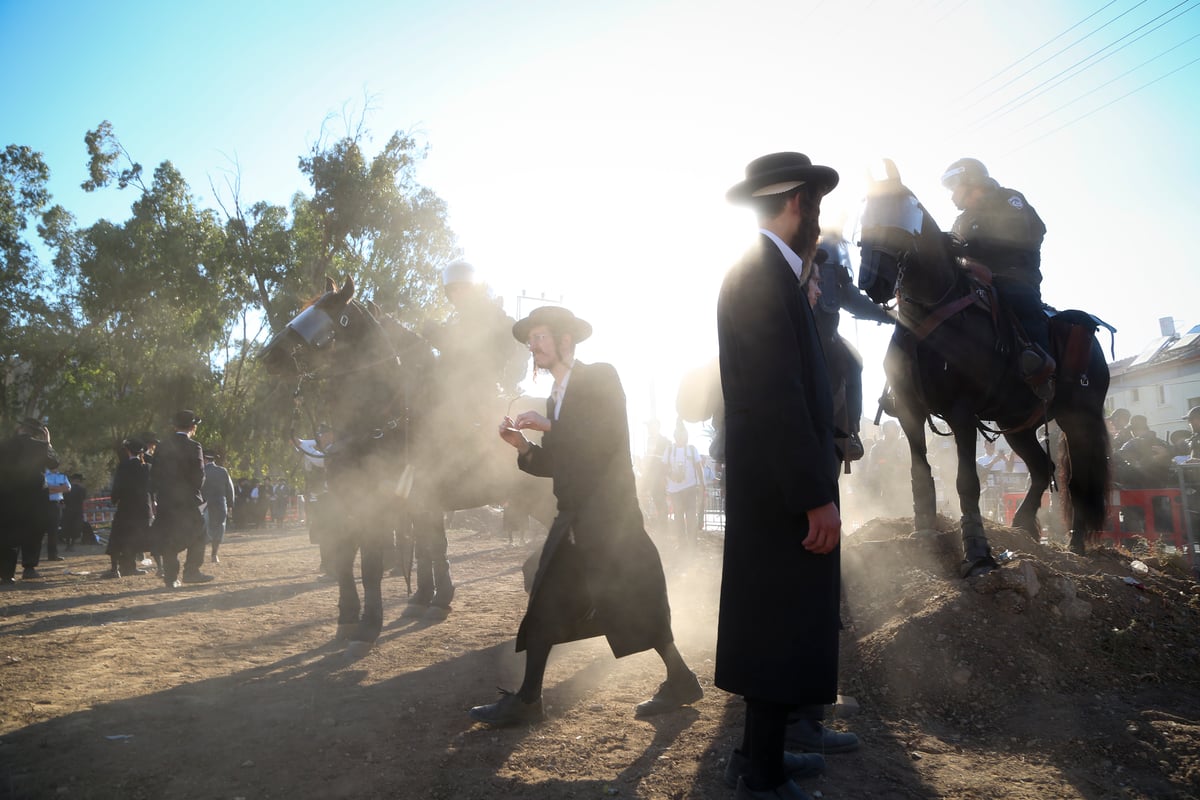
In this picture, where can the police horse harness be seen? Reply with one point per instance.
(373, 379)
(952, 357)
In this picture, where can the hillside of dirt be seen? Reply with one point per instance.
(1057, 676)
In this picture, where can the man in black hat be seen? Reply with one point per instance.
(777, 634)
(1003, 232)
(24, 457)
(599, 573)
(178, 477)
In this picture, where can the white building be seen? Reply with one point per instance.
(1162, 382)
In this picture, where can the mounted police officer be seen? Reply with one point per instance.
(1003, 232)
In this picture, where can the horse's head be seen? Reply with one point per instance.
(897, 235)
(333, 322)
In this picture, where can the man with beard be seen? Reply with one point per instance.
(599, 573)
(177, 477)
(777, 633)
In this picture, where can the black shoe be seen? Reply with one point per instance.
(196, 577)
(56, 558)
(795, 766)
(788, 790)
(670, 696)
(810, 736)
(8, 582)
(30, 573)
(510, 710)
(112, 573)
(854, 448)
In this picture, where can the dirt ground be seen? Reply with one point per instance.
(1052, 678)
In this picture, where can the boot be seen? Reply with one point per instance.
(1037, 370)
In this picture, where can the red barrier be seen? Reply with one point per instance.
(1153, 514)
(98, 511)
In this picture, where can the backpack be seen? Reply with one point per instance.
(676, 471)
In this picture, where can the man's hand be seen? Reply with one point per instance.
(510, 433)
(824, 529)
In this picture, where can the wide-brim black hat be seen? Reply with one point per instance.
(557, 318)
(185, 419)
(781, 172)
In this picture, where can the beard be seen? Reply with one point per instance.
(804, 243)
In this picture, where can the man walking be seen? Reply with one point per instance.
(599, 573)
(177, 477)
(218, 500)
(777, 635)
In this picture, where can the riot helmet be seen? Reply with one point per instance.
(966, 172)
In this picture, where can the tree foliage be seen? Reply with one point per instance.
(130, 320)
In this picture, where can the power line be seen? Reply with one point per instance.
(1110, 82)
(1031, 53)
(1055, 55)
(1025, 97)
(1101, 108)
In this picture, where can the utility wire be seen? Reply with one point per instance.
(1026, 97)
(1110, 82)
(1030, 54)
(1101, 108)
(1054, 56)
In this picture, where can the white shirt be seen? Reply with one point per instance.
(789, 255)
(686, 457)
(559, 390)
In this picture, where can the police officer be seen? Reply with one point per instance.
(838, 291)
(1002, 231)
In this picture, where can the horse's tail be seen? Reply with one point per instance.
(1084, 477)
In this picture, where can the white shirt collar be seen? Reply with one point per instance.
(789, 255)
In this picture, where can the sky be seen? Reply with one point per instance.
(584, 149)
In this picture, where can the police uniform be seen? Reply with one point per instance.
(1005, 233)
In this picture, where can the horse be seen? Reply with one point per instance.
(953, 357)
(390, 467)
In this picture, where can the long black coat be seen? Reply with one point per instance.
(131, 495)
(23, 462)
(779, 618)
(599, 572)
(176, 478)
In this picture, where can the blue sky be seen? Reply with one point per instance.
(584, 148)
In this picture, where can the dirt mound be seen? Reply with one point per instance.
(1096, 655)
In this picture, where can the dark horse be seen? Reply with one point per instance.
(374, 381)
(952, 356)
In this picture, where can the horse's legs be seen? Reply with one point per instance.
(344, 546)
(373, 547)
(923, 491)
(434, 525)
(977, 553)
(1025, 444)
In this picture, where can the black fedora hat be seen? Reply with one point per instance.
(781, 172)
(185, 419)
(557, 318)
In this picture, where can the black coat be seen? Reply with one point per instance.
(176, 479)
(23, 500)
(131, 495)
(779, 617)
(599, 572)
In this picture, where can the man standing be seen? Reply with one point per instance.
(777, 634)
(177, 477)
(218, 500)
(57, 485)
(599, 573)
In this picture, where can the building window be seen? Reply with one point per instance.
(1162, 395)
(1133, 395)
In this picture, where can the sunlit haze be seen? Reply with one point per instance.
(584, 149)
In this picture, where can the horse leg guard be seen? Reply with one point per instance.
(444, 592)
(1078, 544)
(977, 553)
